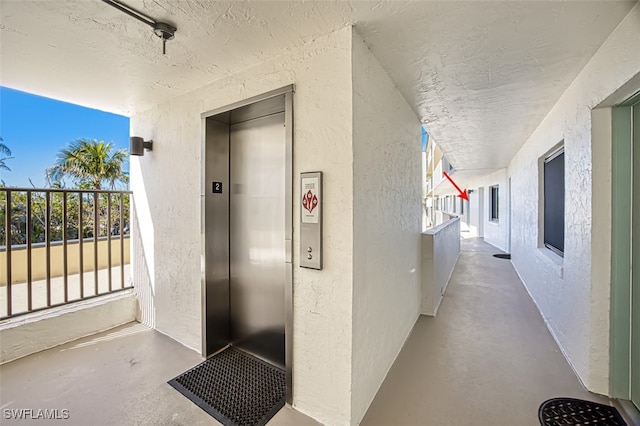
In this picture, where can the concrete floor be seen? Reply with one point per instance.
(487, 359)
(112, 378)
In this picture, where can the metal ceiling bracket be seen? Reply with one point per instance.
(161, 29)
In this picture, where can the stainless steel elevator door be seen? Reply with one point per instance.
(257, 237)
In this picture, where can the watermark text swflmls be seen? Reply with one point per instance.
(35, 414)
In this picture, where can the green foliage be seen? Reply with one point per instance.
(89, 163)
(38, 215)
(6, 152)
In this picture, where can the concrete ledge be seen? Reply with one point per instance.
(29, 334)
(39, 257)
(440, 250)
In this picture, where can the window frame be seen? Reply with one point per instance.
(496, 218)
(550, 156)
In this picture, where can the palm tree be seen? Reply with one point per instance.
(4, 150)
(6, 153)
(89, 163)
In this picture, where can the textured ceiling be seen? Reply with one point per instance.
(480, 75)
(87, 52)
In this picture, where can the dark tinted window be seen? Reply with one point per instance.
(554, 203)
(494, 203)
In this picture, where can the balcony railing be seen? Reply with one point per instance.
(429, 185)
(61, 246)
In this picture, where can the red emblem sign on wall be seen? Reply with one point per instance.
(309, 201)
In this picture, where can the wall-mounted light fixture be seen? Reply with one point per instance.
(137, 145)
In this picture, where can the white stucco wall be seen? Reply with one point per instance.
(386, 224)
(440, 247)
(474, 214)
(23, 336)
(167, 187)
(495, 233)
(601, 149)
(572, 297)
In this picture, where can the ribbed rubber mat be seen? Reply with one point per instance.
(234, 387)
(570, 411)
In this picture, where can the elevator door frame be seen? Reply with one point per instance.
(206, 188)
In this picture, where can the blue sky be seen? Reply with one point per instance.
(36, 128)
(425, 139)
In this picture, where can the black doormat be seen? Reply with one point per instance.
(569, 411)
(502, 256)
(234, 387)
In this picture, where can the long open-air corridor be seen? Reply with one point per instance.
(486, 359)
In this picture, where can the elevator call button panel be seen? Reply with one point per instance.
(311, 220)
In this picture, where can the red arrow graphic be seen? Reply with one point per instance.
(463, 194)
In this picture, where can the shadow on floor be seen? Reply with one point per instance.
(118, 377)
